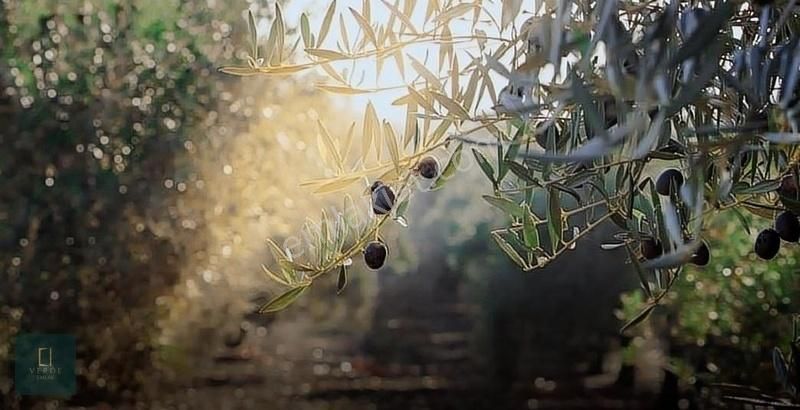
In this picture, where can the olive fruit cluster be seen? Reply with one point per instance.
(651, 248)
(669, 181)
(768, 242)
(383, 200)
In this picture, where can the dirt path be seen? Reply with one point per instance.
(418, 353)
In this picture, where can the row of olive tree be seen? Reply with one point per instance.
(101, 103)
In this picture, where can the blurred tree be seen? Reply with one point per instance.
(97, 107)
(123, 151)
(722, 321)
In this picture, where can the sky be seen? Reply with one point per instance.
(390, 75)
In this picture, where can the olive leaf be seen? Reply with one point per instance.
(453, 108)
(369, 32)
(348, 141)
(401, 16)
(341, 89)
(344, 37)
(282, 259)
(511, 9)
(238, 70)
(430, 77)
(335, 185)
(305, 31)
(511, 153)
(642, 315)
(400, 212)
(369, 130)
(328, 146)
(329, 55)
(283, 300)
(453, 12)
(509, 250)
(277, 37)
(530, 233)
(780, 366)
(392, 144)
(418, 98)
(759, 188)
(273, 276)
(554, 222)
(486, 167)
(506, 205)
(251, 25)
(341, 281)
(521, 171)
(326, 23)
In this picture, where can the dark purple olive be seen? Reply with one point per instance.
(787, 226)
(669, 180)
(375, 255)
(788, 187)
(768, 243)
(382, 198)
(428, 168)
(701, 256)
(651, 248)
(543, 136)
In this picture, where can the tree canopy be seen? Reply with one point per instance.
(652, 116)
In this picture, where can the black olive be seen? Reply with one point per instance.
(428, 167)
(651, 248)
(762, 3)
(382, 198)
(788, 187)
(768, 243)
(375, 255)
(668, 180)
(701, 255)
(544, 135)
(787, 226)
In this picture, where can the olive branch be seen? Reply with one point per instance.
(706, 95)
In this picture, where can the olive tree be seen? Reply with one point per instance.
(652, 116)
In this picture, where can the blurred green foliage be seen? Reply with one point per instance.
(102, 104)
(722, 321)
